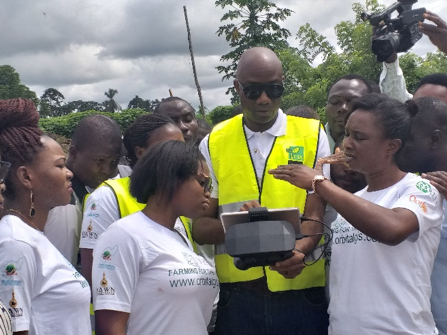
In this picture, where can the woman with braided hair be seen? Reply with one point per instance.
(112, 200)
(43, 292)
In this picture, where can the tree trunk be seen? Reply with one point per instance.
(199, 91)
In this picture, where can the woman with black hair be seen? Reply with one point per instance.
(146, 278)
(112, 200)
(386, 235)
(43, 292)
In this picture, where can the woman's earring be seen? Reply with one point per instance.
(32, 211)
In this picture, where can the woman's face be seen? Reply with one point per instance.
(51, 180)
(365, 146)
(193, 196)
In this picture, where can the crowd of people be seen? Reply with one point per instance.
(91, 245)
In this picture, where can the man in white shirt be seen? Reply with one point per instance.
(93, 158)
(286, 298)
(425, 151)
(339, 99)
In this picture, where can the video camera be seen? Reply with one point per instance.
(395, 34)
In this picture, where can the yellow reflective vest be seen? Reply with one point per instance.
(236, 177)
(127, 204)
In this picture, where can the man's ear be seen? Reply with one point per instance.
(435, 139)
(393, 146)
(25, 177)
(72, 152)
(237, 86)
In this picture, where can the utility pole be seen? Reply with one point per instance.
(199, 91)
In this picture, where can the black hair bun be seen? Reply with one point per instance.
(412, 107)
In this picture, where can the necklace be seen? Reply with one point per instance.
(25, 218)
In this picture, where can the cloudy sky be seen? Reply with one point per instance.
(139, 47)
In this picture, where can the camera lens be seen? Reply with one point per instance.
(385, 45)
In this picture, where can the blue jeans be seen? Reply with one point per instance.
(244, 312)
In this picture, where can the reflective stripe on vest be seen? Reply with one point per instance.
(236, 177)
(127, 204)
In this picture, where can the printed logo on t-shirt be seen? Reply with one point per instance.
(200, 267)
(92, 215)
(93, 207)
(104, 288)
(420, 203)
(190, 259)
(77, 275)
(296, 153)
(423, 186)
(90, 234)
(14, 311)
(106, 257)
(10, 270)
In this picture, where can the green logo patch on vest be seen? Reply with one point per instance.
(296, 153)
(423, 186)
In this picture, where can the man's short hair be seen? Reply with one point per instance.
(166, 100)
(433, 79)
(94, 127)
(353, 76)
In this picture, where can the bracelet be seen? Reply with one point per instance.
(316, 179)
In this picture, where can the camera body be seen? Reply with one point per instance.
(397, 34)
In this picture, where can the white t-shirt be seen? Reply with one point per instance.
(101, 210)
(381, 289)
(5, 321)
(62, 229)
(44, 292)
(147, 270)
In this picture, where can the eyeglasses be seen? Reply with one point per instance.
(4, 168)
(206, 182)
(253, 92)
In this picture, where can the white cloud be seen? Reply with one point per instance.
(139, 47)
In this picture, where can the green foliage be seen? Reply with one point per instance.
(308, 85)
(51, 103)
(147, 105)
(11, 87)
(64, 125)
(258, 26)
(111, 105)
(219, 114)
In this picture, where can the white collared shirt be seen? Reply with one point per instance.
(260, 144)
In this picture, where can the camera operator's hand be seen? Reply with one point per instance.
(436, 33)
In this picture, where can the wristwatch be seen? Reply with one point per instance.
(317, 178)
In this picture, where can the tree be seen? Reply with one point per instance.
(220, 113)
(308, 85)
(111, 105)
(51, 103)
(258, 26)
(82, 106)
(11, 87)
(147, 105)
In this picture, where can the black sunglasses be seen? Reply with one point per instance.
(4, 167)
(253, 92)
(205, 181)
